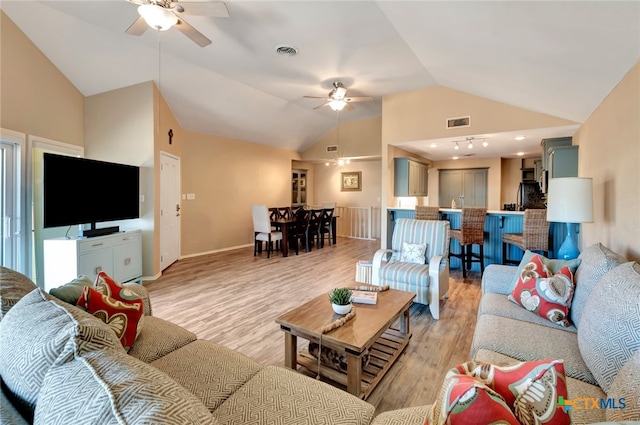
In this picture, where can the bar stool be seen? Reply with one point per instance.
(471, 232)
(534, 236)
(426, 213)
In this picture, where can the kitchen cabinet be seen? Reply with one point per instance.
(548, 144)
(118, 254)
(563, 161)
(411, 178)
(467, 187)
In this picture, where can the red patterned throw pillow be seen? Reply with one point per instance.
(465, 400)
(477, 392)
(122, 317)
(530, 388)
(109, 287)
(543, 292)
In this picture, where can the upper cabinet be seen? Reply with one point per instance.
(411, 178)
(548, 144)
(563, 162)
(559, 159)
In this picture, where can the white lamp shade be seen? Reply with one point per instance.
(157, 17)
(570, 200)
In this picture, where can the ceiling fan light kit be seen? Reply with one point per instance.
(337, 105)
(337, 98)
(157, 17)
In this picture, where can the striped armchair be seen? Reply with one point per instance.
(429, 280)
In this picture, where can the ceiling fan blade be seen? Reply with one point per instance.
(195, 35)
(138, 27)
(216, 9)
(348, 107)
(316, 97)
(320, 106)
(358, 99)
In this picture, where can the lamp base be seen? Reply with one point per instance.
(568, 250)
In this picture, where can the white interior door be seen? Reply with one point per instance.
(169, 209)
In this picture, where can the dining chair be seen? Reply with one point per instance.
(534, 236)
(471, 233)
(426, 213)
(285, 212)
(262, 229)
(315, 220)
(303, 233)
(325, 227)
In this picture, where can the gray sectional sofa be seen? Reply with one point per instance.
(601, 349)
(61, 365)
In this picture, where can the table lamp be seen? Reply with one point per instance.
(570, 201)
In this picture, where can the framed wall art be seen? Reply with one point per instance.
(351, 181)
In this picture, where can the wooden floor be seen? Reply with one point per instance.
(233, 298)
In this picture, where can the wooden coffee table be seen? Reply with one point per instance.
(375, 328)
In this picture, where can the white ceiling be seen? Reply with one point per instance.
(561, 58)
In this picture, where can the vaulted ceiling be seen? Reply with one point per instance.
(560, 58)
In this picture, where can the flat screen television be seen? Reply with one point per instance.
(86, 191)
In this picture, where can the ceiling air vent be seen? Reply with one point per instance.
(459, 122)
(285, 50)
(332, 148)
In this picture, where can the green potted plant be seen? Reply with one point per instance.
(340, 300)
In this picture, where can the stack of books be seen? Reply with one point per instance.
(364, 297)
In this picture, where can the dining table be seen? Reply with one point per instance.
(284, 225)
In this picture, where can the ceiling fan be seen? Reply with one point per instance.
(337, 99)
(164, 14)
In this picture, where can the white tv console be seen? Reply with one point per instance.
(118, 254)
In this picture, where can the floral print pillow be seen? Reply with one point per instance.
(547, 294)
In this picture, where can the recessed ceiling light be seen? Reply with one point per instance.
(433, 145)
(285, 50)
(455, 157)
(520, 153)
(520, 138)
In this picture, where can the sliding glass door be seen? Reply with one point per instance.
(12, 193)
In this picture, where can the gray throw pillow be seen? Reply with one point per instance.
(609, 333)
(70, 292)
(596, 260)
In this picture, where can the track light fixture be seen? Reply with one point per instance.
(469, 141)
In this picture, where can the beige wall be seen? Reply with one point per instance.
(227, 177)
(610, 153)
(327, 184)
(119, 127)
(35, 97)
(356, 139)
(422, 114)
